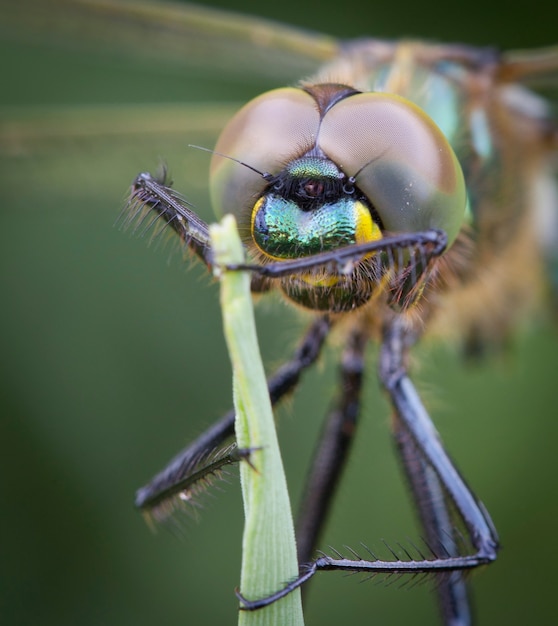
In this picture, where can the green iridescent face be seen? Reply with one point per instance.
(310, 208)
(338, 167)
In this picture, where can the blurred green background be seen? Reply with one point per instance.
(113, 358)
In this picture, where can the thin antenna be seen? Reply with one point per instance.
(265, 175)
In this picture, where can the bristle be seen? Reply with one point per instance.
(195, 477)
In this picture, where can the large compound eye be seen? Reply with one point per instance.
(266, 134)
(401, 160)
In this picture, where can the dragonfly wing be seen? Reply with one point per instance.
(187, 35)
(213, 55)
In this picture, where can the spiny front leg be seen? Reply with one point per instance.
(152, 200)
(167, 489)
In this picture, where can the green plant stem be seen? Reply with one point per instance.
(268, 548)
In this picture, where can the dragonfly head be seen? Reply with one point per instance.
(342, 168)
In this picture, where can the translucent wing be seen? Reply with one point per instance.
(172, 35)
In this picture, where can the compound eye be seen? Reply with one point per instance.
(266, 134)
(401, 160)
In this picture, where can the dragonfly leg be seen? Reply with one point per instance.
(416, 421)
(430, 486)
(332, 450)
(420, 430)
(169, 481)
(436, 521)
(152, 200)
(429, 243)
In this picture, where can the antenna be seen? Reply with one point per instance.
(265, 175)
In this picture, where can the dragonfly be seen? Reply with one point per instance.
(459, 67)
